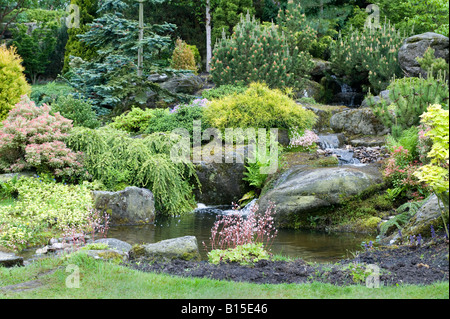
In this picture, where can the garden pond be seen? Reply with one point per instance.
(309, 245)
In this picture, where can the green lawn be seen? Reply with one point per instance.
(104, 280)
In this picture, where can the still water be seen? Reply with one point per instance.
(308, 245)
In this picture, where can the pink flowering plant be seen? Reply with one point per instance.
(32, 138)
(231, 231)
(305, 141)
(399, 170)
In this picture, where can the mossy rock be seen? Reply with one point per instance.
(184, 248)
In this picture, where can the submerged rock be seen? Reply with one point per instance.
(128, 207)
(302, 189)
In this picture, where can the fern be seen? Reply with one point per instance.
(404, 214)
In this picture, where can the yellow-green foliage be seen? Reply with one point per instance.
(117, 160)
(258, 107)
(41, 205)
(436, 173)
(12, 80)
(244, 254)
(183, 57)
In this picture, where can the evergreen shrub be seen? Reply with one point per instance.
(258, 107)
(13, 84)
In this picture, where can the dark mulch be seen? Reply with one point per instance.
(403, 265)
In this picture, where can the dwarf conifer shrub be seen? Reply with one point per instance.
(183, 57)
(258, 107)
(410, 98)
(79, 111)
(253, 53)
(12, 80)
(369, 56)
(32, 138)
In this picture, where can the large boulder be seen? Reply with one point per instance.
(303, 189)
(183, 83)
(184, 248)
(359, 121)
(131, 206)
(221, 181)
(414, 47)
(10, 260)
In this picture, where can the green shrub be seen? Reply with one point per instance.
(80, 112)
(12, 80)
(134, 121)
(247, 254)
(430, 63)
(222, 91)
(409, 139)
(42, 207)
(258, 107)
(411, 98)
(48, 93)
(182, 116)
(183, 57)
(253, 53)
(117, 160)
(299, 37)
(368, 58)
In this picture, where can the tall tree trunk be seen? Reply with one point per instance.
(208, 36)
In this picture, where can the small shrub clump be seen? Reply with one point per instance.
(183, 57)
(79, 111)
(13, 84)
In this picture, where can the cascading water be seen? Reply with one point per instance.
(347, 95)
(332, 143)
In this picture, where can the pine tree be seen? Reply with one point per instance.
(299, 37)
(253, 53)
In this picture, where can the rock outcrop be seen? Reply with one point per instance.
(128, 207)
(184, 248)
(414, 47)
(302, 189)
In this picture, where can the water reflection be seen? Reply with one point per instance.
(308, 245)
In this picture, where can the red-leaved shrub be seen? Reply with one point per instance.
(32, 138)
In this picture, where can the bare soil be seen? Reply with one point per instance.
(397, 265)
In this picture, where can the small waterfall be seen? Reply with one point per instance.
(347, 95)
(332, 144)
(244, 211)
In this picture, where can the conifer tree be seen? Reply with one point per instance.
(253, 53)
(227, 14)
(76, 47)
